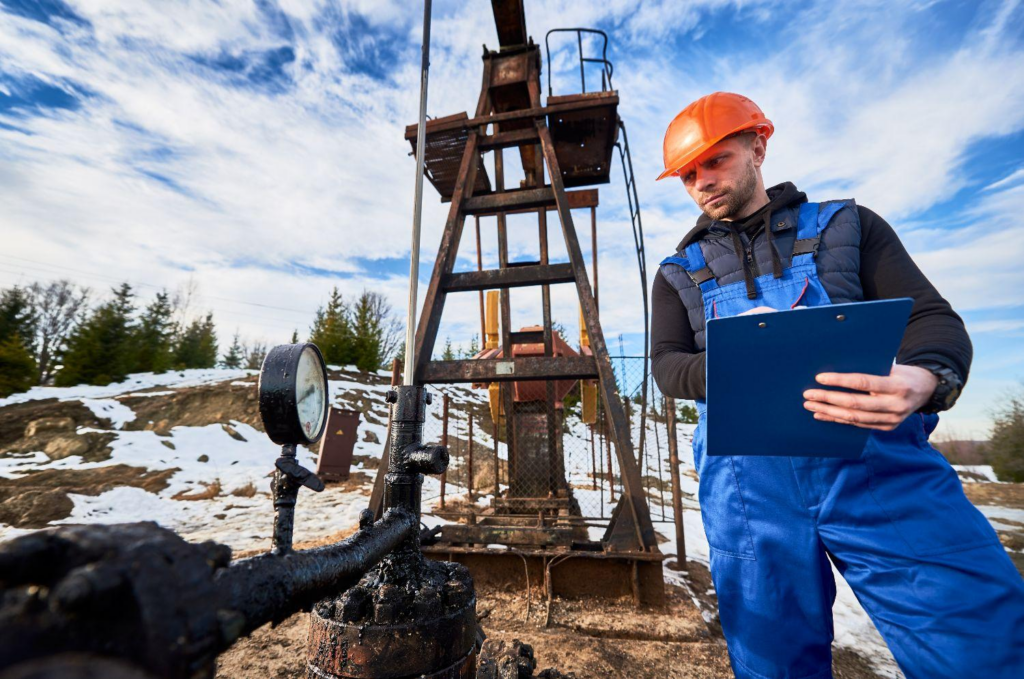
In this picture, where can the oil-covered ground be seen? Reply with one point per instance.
(187, 450)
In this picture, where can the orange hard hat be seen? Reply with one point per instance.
(706, 122)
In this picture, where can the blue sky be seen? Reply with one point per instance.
(255, 146)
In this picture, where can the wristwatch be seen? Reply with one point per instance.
(946, 392)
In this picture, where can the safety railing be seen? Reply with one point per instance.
(641, 255)
(607, 68)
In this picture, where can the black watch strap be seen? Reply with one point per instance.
(947, 391)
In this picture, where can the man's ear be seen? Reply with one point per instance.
(759, 147)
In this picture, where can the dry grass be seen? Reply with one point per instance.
(248, 490)
(210, 491)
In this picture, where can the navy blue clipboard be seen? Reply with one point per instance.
(759, 365)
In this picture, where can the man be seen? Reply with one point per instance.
(925, 564)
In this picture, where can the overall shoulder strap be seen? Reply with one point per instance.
(813, 219)
(694, 264)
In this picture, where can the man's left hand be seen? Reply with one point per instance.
(885, 403)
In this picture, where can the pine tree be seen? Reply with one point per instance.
(197, 345)
(233, 359)
(154, 336)
(17, 367)
(332, 331)
(99, 351)
(474, 347)
(688, 414)
(18, 370)
(376, 331)
(1005, 448)
(295, 336)
(17, 317)
(448, 354)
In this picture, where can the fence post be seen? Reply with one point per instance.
(661, 475)
(469, 468)
(677, 496)
(497, 460)
(611, 470)
(593, 461)
(444, 441)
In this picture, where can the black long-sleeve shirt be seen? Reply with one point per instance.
(934, 334)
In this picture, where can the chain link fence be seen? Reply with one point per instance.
(580, 474)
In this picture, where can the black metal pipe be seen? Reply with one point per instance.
(286, 492)
(271, 587)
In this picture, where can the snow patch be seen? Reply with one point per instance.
(136, 382)
(115, 411)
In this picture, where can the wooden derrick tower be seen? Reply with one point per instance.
(566, 141)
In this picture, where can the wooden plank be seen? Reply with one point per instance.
(502, 201)
(513, 277)
(500, 370)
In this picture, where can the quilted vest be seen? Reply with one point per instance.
(837, 259)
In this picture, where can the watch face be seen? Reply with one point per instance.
(310, 393)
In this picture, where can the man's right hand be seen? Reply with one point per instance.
(758, 310)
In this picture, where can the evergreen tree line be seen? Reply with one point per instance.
(49, 334)
(363, 332)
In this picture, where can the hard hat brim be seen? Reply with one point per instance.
(679, 165)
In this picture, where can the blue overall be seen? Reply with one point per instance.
(924, 563)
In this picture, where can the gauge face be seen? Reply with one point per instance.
(293, 394)
(310, 393)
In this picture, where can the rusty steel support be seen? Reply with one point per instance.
(593, 246)
(677, 491)
(505, 313)
(635, 520)
(377, 495)
(480, 267)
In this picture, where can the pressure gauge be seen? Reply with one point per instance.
(293, 394)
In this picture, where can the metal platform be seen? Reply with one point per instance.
(585, 139)
(445, 146)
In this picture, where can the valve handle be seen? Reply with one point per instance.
(300, 474)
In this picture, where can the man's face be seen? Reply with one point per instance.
(724, 178)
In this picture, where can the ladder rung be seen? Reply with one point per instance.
(522, 199)
(501, 370)
(513, 277)
(504, 140)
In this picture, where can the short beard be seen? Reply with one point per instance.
(736, 199)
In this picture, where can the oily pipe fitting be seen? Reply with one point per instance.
(271, 587)
(409, 458)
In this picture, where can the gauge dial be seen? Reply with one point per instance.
(310, 392)
(293, 394)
